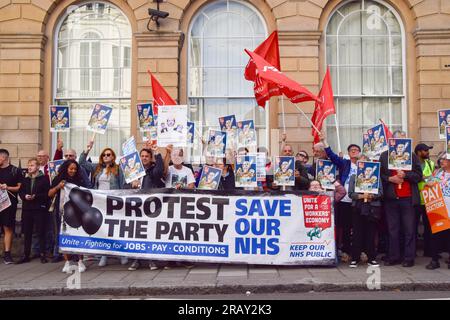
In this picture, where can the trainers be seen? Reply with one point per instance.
(153, 266)
(66, 268)
(43, 259)
(433, 265)
(102, 261)
(134, 266)
(353, 264)
(408, 263)
(7, 259)
(81, 266)
(23, 260)
(123, 260)
(373, 263)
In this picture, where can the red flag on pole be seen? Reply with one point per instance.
(269, 51)
(160, 95)
(386, 130)
(267, 75)
(325, 106)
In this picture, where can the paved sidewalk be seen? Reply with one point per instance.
(36, 279)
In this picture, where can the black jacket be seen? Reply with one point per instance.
(40, 189)
(302, 182)
(227, 183)
(413, 177)
(154, 174)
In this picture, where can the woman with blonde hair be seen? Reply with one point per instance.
(105, 175)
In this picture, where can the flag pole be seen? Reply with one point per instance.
(307, 118)
(337, 132)
(283, 117)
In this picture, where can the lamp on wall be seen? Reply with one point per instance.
(156, 14)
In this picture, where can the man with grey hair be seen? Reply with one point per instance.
(401, 194)
(319, 153)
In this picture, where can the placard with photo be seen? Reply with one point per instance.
(400, 154)
(326, 173)
(145, 116)
(132, 167)
(245, 171)
(367, 177)
(210, 178)
(172, 125)
(284, 174)
(99, 118)
(59, 119)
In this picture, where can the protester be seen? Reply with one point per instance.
(154, 173)
(227, 177)
(34, 194)
(69, 172)
(10, 177)
(422, 152)
(106, 175)
(401, 194)
(303, 157)
(301, 173)
(443, 178)
(347, 168)
(337, 194)
(178, 175)
(366, 214)
(318, 154)
(267, 184)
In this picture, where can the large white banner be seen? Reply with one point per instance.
(200, 226)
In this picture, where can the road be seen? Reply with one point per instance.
(375, 295)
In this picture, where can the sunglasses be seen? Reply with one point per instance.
(69, 155)
(106, 155)
(302, 155)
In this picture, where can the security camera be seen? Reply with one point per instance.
(156, 14)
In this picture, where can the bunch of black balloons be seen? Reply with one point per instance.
(78, 211)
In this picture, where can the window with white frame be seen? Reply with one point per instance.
(365, 52)
(93, 54)
(218, 35)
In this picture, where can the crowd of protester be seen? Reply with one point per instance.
(366, 224)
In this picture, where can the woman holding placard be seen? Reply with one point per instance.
(105, 175)
(442, 177)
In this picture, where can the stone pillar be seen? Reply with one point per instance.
(21, 80)
(433, 72)
(157, 52)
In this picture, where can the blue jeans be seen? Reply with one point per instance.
(400, 215)
(56, 227)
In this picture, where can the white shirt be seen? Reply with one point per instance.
(183, 176)
(104, 181)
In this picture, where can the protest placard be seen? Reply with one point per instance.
(443, 121)
(326, 173)
(400, 154)
(99, 119)
(145, 116)
(436, 208)
(367, 177)
(172, 125)
(210, 178)
(245, 171)
(132, 167)
(284, 173)
(59, 119)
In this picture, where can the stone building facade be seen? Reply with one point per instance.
(28, 56)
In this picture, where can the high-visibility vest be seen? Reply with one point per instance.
(427, 171)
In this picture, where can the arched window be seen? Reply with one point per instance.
(365, 52)
(218, 35)
(93, 54)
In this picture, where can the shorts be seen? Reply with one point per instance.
(8, 216)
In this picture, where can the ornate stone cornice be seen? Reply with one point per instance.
(6, 38)
(299, 35)
(434, 34)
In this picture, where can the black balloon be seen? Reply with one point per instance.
(72, 216)
(92, 220)
(83, 198)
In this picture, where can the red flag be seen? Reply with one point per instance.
(267, 75)
(160, 95)
(386, 130)
(325, 105)
(269, 51)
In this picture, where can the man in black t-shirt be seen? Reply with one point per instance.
(10, 177)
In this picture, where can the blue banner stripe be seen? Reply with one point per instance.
(143, 247)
